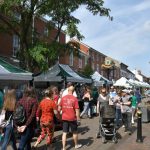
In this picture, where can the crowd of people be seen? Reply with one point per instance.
(61, 106)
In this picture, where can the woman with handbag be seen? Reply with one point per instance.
(9, 107)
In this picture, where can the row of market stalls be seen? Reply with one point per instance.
(11, 75)
(59, 73)
(123, 82)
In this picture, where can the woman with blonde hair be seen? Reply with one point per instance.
(9, 107)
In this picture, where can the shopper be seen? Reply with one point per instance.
(45, 113)
(30, 104)
(70, 116)
(9, 107)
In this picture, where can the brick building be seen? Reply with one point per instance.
(10, 43)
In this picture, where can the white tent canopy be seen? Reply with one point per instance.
(123, 82)
(99, 80)
(139, 83)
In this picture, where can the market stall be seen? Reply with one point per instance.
(61, 72)
(99, 80)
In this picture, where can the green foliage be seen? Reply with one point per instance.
(38, 54)
(32, 54)
(87, 71)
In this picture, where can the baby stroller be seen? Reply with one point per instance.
(107, 124)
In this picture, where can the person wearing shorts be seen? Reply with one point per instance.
(70, 116)
(70, 124)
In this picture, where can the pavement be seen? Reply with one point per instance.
(87, 137)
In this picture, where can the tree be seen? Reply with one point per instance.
(32, 51)
(87, 71)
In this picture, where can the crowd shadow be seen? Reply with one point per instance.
(83, 130)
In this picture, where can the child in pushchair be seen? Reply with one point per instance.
(107, 124)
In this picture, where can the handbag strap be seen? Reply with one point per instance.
(9, 118)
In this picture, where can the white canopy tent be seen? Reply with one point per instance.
(139, 83)
(123, 82)
(99, 80)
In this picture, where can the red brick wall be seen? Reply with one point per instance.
(40, 25)
(6, 42)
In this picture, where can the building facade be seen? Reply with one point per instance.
(10, 43)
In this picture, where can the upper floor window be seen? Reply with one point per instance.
(93, 67)
(58, 39)
(17, 16)
(97, 57)
(93, 56)
(71, 58)
(97, 67)
(16, 44)
(86, 61)
(46, 31)
(80, 62)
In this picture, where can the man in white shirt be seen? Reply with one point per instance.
(65, 92)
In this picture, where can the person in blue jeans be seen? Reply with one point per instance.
(118, 114)
(87, 98)
(9, 137)
(25, 140)
(26, 130)
(9, 107)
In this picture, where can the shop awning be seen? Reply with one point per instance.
(11, 72)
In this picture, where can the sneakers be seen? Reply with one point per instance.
(98, 135)
(130, 132)
(78, 146)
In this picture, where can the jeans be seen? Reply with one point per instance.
(26, 138)
(118, 116)
(9, 136)
(86, 109)
(126, 117)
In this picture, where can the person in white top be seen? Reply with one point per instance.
(65, 92)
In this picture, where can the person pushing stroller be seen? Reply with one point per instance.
(106, 117)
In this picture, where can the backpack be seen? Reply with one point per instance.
(19, 115)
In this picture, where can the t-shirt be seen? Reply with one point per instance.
(69, 104)
(103, 100)
(46, 110)
(112, 96)
(56, 97)
(133, 101)
(126, 108)
(65, 92)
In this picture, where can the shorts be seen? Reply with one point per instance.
(69, 124)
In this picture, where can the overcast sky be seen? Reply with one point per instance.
(126, 38)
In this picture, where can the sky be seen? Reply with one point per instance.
(126, 38)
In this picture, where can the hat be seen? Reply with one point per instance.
(125, 91)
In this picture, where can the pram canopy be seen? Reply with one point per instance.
(107, 111)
